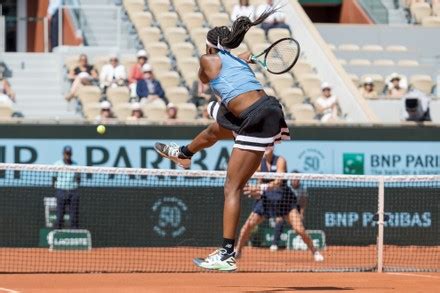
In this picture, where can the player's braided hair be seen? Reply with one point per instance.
(232, 38)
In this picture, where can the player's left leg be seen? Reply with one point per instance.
(242, 165)
(253, 220)
(295, 220)
(182, 155)
(279, 224)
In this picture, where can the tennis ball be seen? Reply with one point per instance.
(100, 129)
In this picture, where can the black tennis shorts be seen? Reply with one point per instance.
(257, 128)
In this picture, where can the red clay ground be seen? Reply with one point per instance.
(220, 282)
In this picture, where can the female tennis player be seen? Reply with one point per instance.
(246, 113)
(274, 199)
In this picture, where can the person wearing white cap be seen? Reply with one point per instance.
(136, 112)
(149, 87)
(135, 73)
(112, 74)
(327, 104)
(106, 113)
(395, 88)
(83, 74)
(367, 90)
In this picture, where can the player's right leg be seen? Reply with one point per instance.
(253, 220)
(182, 155)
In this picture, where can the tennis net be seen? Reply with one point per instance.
(90, 219)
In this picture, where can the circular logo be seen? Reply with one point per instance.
(169, 216)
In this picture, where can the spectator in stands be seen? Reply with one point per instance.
(83, 74)
(395, 88)
(201, 93)
(367, 89)
(52, 15)
(243, 9)
(136, 112)
(416, 106)
(171, 111)
(7, 95)
(327, 104)
(112, 74)
(135, 72)
(66, 191)
(276, 20)
(106, 113)
(149, 87)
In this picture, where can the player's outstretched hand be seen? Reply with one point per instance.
(252, 191)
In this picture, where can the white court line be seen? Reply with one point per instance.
(414, 275)
(8, 290)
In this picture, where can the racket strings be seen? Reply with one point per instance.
(282, 56)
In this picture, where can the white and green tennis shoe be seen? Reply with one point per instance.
(219, 260)
(172, 151)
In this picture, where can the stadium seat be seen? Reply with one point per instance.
(209, 6)
(255, 36)
(198, 36)
(281, 82)
(186, 111)
(183, 50)
(5, 111)
(342, 61)
(240, 49)
(158, 6)
(258, 47)
(422, 82)
(218, 19)
(372, 48)
(303, 112)
(89, 94)
(348, 47)
(302, 67)
(133, 6)
(157, 49)
(396, 48)
(168, 79)
(261, 78)
(91, 111)
(360, 62)
(311, 85)
(177, 95)
(354, 78)
(118, 95)
(175, 35)
(184, 6)
(269, 91)
(100, 61)
(229, 5)
(154, 112)
(408, 63)
(277, 33)
(420, 11)
(128, 61)
(188, 68)
(122, 111)
(160, 64)
(141, 19)
(383, 62)
(193, 20)
(167, 19)
(431, 21)
(149, 35)
(331, 46)
(70, 62)
(292, 96)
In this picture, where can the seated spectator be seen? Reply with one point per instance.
(106, 113)
(243, 9)
(367, 90)
(7, 95)
(149, 88)
(83, 74)
(136, 112)
(395, 88)
(201, 93)
(276, 20)
(416, 106)
(135, 72)
(112, 74)
(327, 104)
(171, 111)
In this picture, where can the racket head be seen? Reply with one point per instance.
(282, 55)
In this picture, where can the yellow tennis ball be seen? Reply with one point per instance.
(100, 129)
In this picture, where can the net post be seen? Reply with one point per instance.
(380, 212)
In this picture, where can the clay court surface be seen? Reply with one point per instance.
(221, 282)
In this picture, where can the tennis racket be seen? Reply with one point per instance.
(279, 57)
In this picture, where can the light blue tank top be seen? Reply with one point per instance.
(234, 79)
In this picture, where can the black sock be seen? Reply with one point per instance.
(228, 245)
(184, 149)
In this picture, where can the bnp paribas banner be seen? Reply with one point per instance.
(334, 157)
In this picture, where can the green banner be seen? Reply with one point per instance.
(67, 239)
